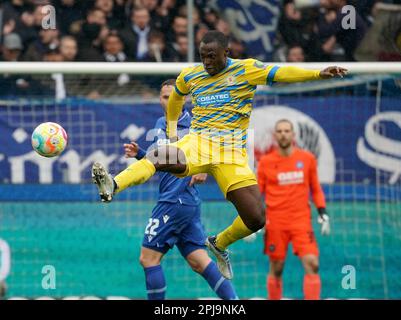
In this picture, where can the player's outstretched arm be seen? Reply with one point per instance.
(174, 109)
(292, 74)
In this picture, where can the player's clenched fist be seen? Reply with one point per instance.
(131, 149)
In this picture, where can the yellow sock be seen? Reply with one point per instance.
(236, 231)
(137, 173)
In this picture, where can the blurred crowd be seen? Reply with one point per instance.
(314, 32)
(156, 31)
(106, 30)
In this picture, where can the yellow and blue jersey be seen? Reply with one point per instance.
(223, 102)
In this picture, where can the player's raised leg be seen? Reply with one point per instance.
(165, 158)
(251, 218)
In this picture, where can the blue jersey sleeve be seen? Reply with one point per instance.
(141, 154)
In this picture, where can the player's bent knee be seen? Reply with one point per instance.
(147, 261)
(255, 223)
(197, 267)
(276, 268)
(311, 265)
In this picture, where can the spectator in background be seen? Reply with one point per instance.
(17, 16)
(12, 47)
(113, 49)
(295, 54)
(298, 28)
(17, 85)
(159, 51)
(68, 48)
(114, 14)
(114, 52)
(179, 27)
(181, 47)
(48, 40)
(237, 49)
(332, 33)
(183, 10)
(210, 17)
(53, 55)
(136, 35)
(223, 26)
(160, 15)
(70, 11)
(91, 37)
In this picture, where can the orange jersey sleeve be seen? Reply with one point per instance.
(316, 188)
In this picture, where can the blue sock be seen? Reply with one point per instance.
(155, 283)
(223, 287)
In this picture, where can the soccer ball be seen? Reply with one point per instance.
(49, 139)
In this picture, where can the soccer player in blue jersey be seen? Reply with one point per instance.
(222, 91)
(176, 219)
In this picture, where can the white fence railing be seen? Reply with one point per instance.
(168, 68)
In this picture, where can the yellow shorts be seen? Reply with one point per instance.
(229, 166)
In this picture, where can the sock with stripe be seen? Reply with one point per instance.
(155, 283)
(223, 287)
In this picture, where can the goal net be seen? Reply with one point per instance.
(64, 242)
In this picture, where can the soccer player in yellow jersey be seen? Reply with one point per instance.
(222, 91)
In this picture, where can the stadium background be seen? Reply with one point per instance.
(49, 211)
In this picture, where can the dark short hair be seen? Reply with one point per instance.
(284, 120)
(168, 82)
(216, 36)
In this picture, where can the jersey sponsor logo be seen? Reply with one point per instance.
(379, 151)
(309, 136)
(292, 177)
(216, 99)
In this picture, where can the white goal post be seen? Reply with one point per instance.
(169, 68)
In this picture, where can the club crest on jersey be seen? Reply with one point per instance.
(230, 80)
(300, 165)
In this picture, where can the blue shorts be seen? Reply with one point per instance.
(175, 224)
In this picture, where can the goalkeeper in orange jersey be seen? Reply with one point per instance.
(287, 175)
(222, 91)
